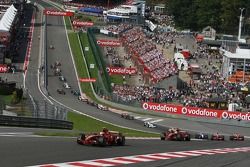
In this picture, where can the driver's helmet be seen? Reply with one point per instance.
(105, 130)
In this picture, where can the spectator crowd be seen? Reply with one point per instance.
(149, 56)
(118, 29)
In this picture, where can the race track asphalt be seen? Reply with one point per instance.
(23, 151)
(26, 151)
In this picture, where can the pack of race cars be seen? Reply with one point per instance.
(176, 134)
(113, 138)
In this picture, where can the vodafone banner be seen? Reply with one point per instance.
(195, 111)
(3, 68)
(87, 79)
(121, 71)
(57, 13)
(103, 42)
(235, 115)
(82, 23)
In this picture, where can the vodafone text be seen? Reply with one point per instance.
(58, 13)
(108, 43)
(122, 71)
(3, 68)
(235, 115)
(87, 80)
(188, 111)
(82, 23)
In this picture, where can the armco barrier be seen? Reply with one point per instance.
(197, 119)
(34, 122)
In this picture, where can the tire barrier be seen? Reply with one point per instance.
(35, 122)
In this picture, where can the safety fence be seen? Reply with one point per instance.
(101, 65)
(34, 122)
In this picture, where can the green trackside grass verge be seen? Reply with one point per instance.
(79, 62)
(86, 124)
(116, 79)
(89, 55)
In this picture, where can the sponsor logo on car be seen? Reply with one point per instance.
(57, 13)
(103, 42)
(122, 71)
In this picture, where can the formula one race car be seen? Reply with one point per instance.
(66, 85)
(127, 116)
(237, 137)
(201, 136)
(82, 98)
(75, 92)
(149, 125)
(175, 134)
(217, 136)
(62, 78)
(102, 107)
(104, 138)
(61, 91)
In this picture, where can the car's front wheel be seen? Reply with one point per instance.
(121, 141)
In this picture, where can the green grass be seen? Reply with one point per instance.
(80, 65)
(116, 79)
(6, 99)
(68, 23)
(84, 124)
(87, 124)
(89, 57)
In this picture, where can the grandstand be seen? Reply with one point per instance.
(126, 13)
(97, 3)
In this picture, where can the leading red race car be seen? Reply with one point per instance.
(217, 136)
(237, 137)
(104, 138)
(175, 134)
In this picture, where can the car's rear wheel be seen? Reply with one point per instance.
(178, 137)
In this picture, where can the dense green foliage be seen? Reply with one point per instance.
(223, 15)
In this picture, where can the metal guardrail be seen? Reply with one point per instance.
(34, 122)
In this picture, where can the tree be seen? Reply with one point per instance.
(223, 15)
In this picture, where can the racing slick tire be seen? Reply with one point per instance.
(188, 138)
(121, 141)
(81, 138)
(162, 136)
(178, 137)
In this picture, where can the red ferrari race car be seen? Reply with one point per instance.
(104, 138)
(217, 136)
(237, 137)
(175, 134)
